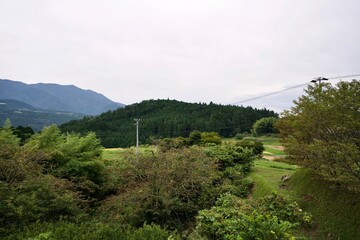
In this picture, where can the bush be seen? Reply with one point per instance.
(235, 218)
(229, 154)
(90, 231)
(40, 199)
(165, 188)
(257, 147)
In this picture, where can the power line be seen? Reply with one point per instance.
(289, 88)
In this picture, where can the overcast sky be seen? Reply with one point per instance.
(223, 51)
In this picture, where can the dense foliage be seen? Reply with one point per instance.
(52, 181)
(264, 126)
(322, 130)
(58, 186)
(166, 188)
(234, 218)
(167, 118)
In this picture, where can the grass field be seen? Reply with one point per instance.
(267, 177)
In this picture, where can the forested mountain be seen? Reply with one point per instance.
(22, 114)
(166, 118)
(66, 98)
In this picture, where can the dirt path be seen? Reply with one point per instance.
(276, 147)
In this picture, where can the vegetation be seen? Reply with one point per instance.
(22, 114)
(335, 208)
(264, 126)
(167, 119)
(267, 177)
(271, 217)
(322, 131)
(56, 185)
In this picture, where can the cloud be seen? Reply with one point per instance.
(196, 51)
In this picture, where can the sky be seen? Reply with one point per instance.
(224, 51)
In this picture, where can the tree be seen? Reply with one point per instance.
(9, 143)
(264, 126)
(322, 130)
(70, 157)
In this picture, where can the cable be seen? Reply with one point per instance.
(347, 76)
(289, 88)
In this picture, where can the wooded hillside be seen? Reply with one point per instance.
(166, 118)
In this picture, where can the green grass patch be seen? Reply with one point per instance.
(273, 151)
(267, 177)
(112, 154)
(266, 140)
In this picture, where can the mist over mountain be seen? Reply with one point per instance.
(67, 98)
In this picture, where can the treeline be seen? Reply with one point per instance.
(167, 118)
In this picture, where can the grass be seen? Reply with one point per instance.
(335, 209)
(112, 154)
(267, 176)
(266, 140)
(273, 151)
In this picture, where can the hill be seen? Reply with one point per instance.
(67, 98)
(22, 114)
(166, 118)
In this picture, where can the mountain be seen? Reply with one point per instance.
(67, 98)
(166, 118)
(23, 114)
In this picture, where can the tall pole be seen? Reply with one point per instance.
(319, 79)
(137, 120)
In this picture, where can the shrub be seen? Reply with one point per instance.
(165, 188)
(229, 154)
(257, 147)
(233, 218)
(91, 231)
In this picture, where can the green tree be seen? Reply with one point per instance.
(322, 130)
(9, 143)
(70, 156)
(264, 126)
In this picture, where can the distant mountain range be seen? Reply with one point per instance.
(22, 114)
(39, 105)
(67, 98)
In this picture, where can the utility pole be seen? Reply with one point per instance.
(319, 79)
(137, 120)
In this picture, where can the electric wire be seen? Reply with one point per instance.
(289, 88)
